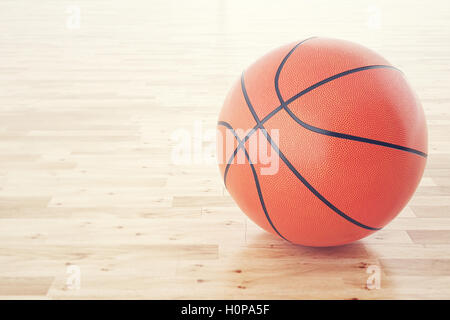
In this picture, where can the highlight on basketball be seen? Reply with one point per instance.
(224, 159)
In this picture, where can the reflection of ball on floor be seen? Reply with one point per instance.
(350, 135)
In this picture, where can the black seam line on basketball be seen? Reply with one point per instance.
(233, 155)
(261, 199)
(327, 132)
(280, 67)
(309, 127)
(255, 177)
(337, 76)
(295, 172)
(247, 136)
(227, 125)
(350, 137)
(338, 134)
(311, 188)
(259, 125)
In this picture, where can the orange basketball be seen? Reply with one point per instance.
(328, 142)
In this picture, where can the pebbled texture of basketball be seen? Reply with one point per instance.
(347, 131)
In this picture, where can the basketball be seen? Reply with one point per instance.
(321, 142)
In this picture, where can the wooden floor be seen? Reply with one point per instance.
(89, 110)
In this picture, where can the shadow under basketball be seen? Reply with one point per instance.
(271, 268)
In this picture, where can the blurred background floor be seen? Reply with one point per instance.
(94, 94)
